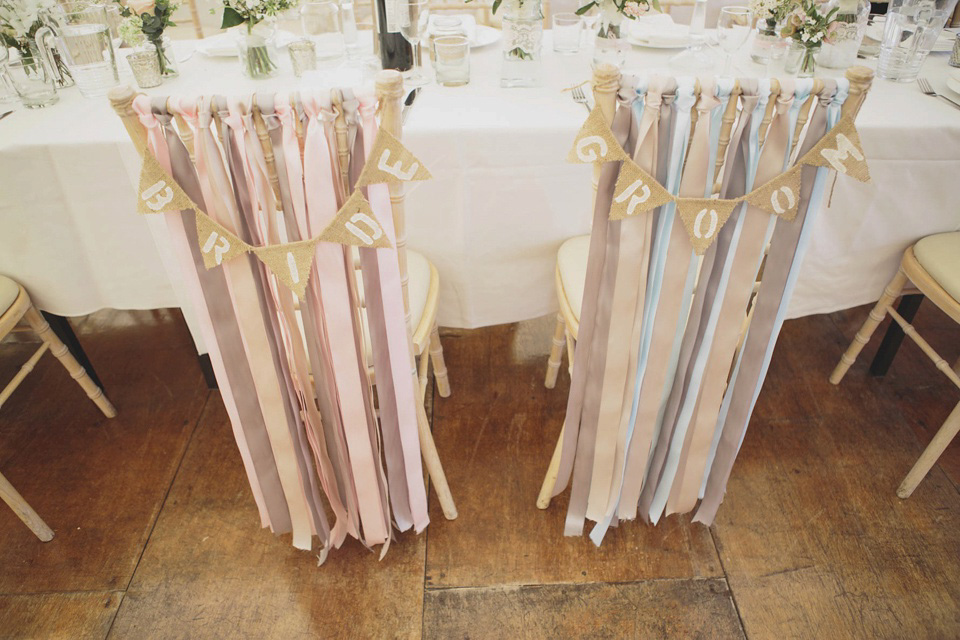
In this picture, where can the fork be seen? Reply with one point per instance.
(927, 88)
(580, 96)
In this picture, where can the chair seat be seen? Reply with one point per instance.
(939, 255)
(9, 290)
(572, 265)
(418, 268)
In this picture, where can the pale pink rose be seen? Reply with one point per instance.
(833, 32)
(141, 6)
(635, 9)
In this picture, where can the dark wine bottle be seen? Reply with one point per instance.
(395, 51)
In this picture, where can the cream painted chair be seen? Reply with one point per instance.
(933, 266)
(15, 306)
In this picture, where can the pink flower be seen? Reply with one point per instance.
(796, 17)
(635, 9)
(141, 6)
(833, 33)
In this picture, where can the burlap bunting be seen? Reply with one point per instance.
(840, 149)
(595, 142)
(158, 192)
(780, 196)
(216, 242)
(390, 161)
(703, 218)
(356, 225)
(290, 262)
(636, 191)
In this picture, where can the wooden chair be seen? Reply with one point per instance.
(15, 305)
(933, 266)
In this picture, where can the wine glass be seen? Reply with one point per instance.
(590, 17)
(733, 29)
(414, 18)
(694, 59)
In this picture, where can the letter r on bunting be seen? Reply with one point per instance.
(636, 191)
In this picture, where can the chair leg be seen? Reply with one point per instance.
(571, 347)
(423, 367)
(431, 459)
(556, 353)
(78, 373)
(550, 480)
(24, 511)
(869, 326)
(439, 366)
(931, 454)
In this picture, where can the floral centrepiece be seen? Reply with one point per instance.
(256, 55)
(19, 21)
(145, 21)
(808, 27)
(609, 45)
(768, 43)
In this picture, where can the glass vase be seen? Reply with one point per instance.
(801, 60)
(169, 67)
(610, 47)
(843, 40)
(258, 51)
(522, 41)
(768, 45)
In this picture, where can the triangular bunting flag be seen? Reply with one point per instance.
(780, 196)
(390, 161)
(290, 263)
(636, 191)
(159, 192)
(840, 149)
(703, 218)
(595, 142)
(356, 225)
(216, 243)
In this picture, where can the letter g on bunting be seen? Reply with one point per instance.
(595, 142)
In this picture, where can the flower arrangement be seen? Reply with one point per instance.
(19, 21)
(612, 11)
(805, 24)
(145, 21)
(773, 12)
(254, 53)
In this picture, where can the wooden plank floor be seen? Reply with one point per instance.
(158, 535)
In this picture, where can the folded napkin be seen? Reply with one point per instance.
(659, 29)
(467, 22)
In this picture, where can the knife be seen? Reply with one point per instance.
(407, 103)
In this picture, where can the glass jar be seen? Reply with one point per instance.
(844, 36)
(768, 45)
(169, 68)
(257, 50)
(800, 59)
(522, 41)
(610, 47)
(441, 26)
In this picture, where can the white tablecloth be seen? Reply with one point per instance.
(502, 201)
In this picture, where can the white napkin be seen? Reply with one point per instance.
(467, 22)
(659, 29)
(225, 44)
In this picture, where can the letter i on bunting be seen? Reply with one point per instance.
(703, 218)
(159, 192)
(595, 142)
(780, 196)
(390, 161)
(291, 263)
(216, 243)
(636, 191)
(356, 225)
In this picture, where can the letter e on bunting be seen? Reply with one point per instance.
(390, 161)
(780, 196)
(356, 225)
(595, 142)
(216, 243)
(636, 191)
(703, 218)
(159, 192)
(291, 263)
(840, 149)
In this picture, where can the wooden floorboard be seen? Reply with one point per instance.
(56, 616)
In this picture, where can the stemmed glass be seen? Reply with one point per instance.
(590, 19)
(414, 18)
(694, 59)
(733, 29)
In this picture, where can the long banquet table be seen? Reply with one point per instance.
(502, 200)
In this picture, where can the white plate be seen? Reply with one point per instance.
(484, 36)
(637, 42)
(953, 82)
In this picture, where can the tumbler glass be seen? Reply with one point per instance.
(566, 32)
(453, 60)
(32, 82)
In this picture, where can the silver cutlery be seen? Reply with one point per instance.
(580, 97)
(407, 103)
(927, 88)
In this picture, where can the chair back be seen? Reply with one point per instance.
(683, 302)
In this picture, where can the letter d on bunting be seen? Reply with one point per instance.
(356, 225)
(595, 142)
(636, 191)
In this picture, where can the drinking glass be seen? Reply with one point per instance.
(321, 25)
(591, 18)
(566, 32)
(84, 45)
(146, 68)
(453, 60)
(912, 28)
(414, 17)
(733, 29)
(32, 82)
(7, 92)
(870, 45)
(694, 59)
